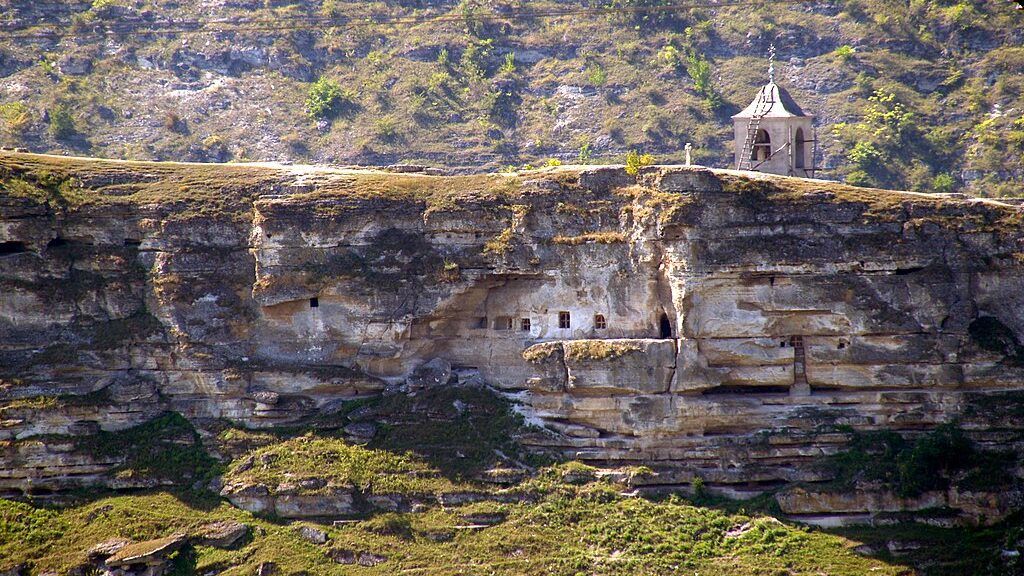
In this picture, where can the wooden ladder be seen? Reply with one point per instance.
(764, 104)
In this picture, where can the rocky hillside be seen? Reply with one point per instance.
(908, 94)
(415, 351)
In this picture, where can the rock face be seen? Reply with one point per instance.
(697, 321)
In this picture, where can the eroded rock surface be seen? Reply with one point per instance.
(696, 321)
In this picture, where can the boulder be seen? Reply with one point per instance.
(149, 552)
(224, 534)
(314, 535)
(436, 372)
(107, 548)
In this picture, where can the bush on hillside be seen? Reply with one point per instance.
(326, 98)
(61, 124)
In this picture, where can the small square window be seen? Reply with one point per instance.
(599, 322)
(314, 302)
(524, 324)
(563, 320)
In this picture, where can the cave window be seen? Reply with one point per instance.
(599, 322)
(524, 324)
(314, 302)
(842, 345)
(8, 248)
(563, 320)
(782, 344)
(665, 326)
(503, 323)
(57, 242)
(481, 322)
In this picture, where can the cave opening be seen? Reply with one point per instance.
(12, 247)
(665, 326)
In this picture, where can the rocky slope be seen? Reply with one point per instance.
(428, 81)
(706, 324)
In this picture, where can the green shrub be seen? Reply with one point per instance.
(699, 70)
(509, 66)
(583, 156)
(909, 468)
(596, 74)
(635, 161)
(864, 155)
(16, 117)
(961, 15)
(61, 124)
(390, 524)
(669, 56)
(501, 104)
(699, 490)
(386, 128)
(326, 98)
(166, 448)
(886, 117)
(943, 184)
(844, 53)
(475, 58)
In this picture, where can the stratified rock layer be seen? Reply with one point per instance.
(698, 321)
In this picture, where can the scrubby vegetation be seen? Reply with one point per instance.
(934, 461)
(166, 448)
(492, 85)
(584, 350)
(577, 528)
(635, 161)
(338, 463)
(560, 519)
(326, 98)
(591, 238)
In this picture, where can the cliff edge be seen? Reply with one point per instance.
(732, 327)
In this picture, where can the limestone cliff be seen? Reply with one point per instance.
(703, 323)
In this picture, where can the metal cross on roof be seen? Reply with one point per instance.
(771, 63)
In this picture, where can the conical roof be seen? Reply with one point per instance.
(772, 101)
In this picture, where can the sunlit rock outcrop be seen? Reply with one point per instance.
(699, 322)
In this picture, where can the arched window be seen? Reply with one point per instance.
(762, 148)
(599, 322)
(665, 326)
(801, 149)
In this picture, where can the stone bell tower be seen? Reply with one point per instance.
(773, 134)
